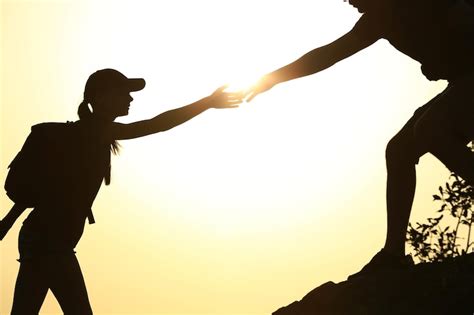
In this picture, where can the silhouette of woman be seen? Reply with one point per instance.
(51, 231)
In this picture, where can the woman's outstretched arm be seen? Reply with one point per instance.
(174, 117)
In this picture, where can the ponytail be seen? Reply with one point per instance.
(83, 111)
(114, 148)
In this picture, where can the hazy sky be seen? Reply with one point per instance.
(237, 211)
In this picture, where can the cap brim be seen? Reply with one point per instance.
(135, 84)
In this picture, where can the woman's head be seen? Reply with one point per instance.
(108, 92)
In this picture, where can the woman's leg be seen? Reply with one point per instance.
(60, 273)
(67, 284)
(30, 289)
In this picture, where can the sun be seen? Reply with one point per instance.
(243, 82)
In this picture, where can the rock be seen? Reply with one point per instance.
(443, 288)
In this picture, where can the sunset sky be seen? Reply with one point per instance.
(239, 211)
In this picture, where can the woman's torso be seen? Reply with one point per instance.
(75, 173)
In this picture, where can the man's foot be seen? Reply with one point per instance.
(383, 261)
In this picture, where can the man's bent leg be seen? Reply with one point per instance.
(401, 158)
(446, 129)
(442, 127)
(457, 157)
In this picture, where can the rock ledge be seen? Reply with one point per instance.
(444, 288)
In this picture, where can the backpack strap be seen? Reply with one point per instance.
(90, 217)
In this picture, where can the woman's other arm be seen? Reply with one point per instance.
(10, 219)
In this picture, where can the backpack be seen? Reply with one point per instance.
(39, 168)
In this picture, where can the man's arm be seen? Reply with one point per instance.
(320, 58)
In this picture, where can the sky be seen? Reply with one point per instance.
(238, 211)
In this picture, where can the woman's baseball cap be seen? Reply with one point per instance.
(105, 79)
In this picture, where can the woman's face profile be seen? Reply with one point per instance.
(114, 103)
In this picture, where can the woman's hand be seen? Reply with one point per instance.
(10, 218)
(4, 228)
(221, 99)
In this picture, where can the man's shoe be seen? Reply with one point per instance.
(383, 261)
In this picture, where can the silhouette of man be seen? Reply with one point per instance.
(440, 35)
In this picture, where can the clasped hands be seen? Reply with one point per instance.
(224, 99)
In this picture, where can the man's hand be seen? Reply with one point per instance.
(221, 99)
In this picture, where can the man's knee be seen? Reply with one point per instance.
(427, 135)
(400, 150)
